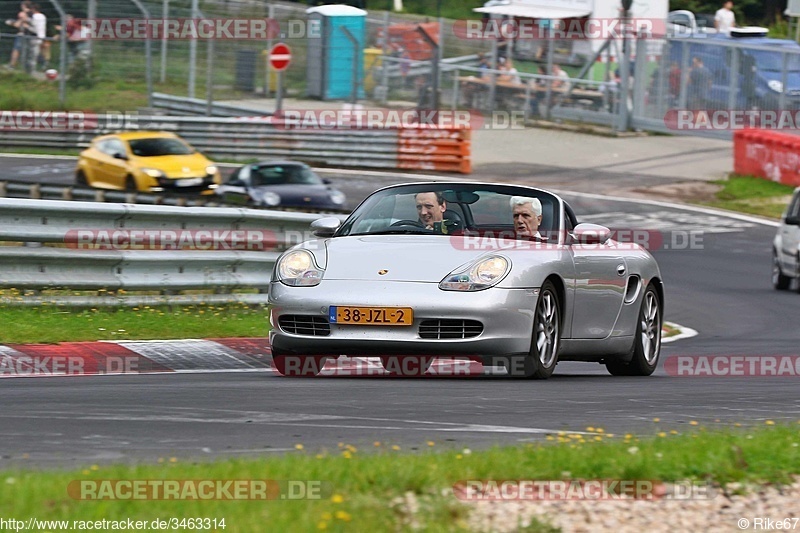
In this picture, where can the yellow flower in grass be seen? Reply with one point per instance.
(343, 516)
(662, 434)
(337, 498)
(298, 446)
(322, 525)
(693, 422)
(769, 422)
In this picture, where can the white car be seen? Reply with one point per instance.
(786, 247)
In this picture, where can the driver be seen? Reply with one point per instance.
(430, 208)
(527, 214)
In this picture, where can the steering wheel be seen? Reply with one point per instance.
(415, 223)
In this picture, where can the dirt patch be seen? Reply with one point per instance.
(685, 191)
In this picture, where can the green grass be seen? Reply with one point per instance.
(756, 196)
(50, 324)
(365, 491)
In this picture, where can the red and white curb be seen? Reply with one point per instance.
(199, 356)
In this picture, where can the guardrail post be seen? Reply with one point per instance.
(66, 193)
(99, 196)
(3, 189)
(36, 192)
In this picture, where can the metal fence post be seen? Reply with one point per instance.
(784, 81)
(164, 16)
(434, 66)
(356, 50)
(625, 76)
(62, 63)
(193, 53)
(384, 61)
(267, 65)
(548, 99)
(148, 54)
(455, 89)
(684, 75)
(210, 78)
(733, 82)
(493, 78)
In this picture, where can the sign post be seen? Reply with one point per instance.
(279, 59)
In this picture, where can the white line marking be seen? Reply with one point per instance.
(685, 333)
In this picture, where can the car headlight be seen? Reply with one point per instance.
(298, 269)
(337, 197)
(154, 172)
(211, 170)
(477, 276)
(268, 198)
(775, 85)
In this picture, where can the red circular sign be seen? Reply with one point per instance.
(280, 56)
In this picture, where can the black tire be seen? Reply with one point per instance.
(541, 361)
(295, 366)
(80, 179)
(647, 342)
(130, 184)
(406, 366)
(779, 281)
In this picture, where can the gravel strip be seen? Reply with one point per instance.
(720, 513)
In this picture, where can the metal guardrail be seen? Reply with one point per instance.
(268, 138)
(57, 263)
(182, 105)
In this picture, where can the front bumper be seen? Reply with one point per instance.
(506, 315)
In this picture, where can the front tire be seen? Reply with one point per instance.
(647, 342)
(541, 361)
(80, 179)
(130, 184)
(779, 281)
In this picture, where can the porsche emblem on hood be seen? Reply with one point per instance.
(383, 272)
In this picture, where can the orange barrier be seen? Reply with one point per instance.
(767, 154)
(442, 149)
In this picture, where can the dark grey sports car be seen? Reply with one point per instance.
(280, 184)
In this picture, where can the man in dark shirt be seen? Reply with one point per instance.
(699, 84)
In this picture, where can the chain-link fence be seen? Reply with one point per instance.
(712, 85)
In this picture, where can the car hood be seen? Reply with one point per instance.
(415, 258)
(174, 165)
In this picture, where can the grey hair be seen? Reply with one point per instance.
(536, 205)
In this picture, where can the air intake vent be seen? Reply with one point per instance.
(316, 326)
(450, 329)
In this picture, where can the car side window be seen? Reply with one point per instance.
(794, 206)
(103, 147)
(116, 147)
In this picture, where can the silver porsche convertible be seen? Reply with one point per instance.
(501, 273)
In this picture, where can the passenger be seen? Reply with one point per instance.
(527, 213)
(430, 208)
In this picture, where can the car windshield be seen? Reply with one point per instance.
(451, 209)
(773, 61)
(159, 146)
(283, 175)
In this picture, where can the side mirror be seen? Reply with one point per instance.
(591, 234)
(325, 227)
(792, 221)
(120, 155)
(326, 181)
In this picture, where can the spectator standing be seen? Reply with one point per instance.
(39, 23)
(699, 84)
(24, 30)
(725, 18)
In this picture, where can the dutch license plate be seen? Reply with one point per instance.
(372, 316)
(191, 182)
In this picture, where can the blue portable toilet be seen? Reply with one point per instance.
(330, 68)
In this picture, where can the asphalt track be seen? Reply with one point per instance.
(721, 289)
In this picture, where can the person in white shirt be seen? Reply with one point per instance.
(725, 18)
(527, 214)
(39, 23)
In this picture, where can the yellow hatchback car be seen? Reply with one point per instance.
(146, 161)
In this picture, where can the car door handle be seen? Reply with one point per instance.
(621, 270)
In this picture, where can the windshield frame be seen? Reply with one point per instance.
(558, 205)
